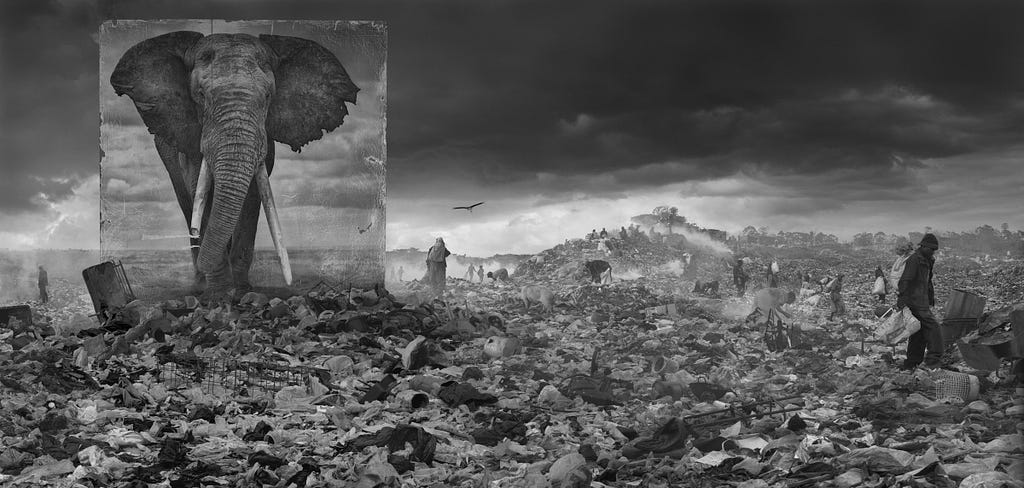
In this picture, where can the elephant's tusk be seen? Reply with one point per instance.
(267, 196)
(199, 202)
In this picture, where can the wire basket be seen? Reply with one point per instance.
(951, 384)
(228, 376)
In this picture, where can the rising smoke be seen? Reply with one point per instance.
(702, 240)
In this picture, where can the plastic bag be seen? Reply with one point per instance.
(879, 288)
(896, 327)
(897, 271)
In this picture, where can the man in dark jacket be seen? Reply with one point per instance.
(917, 293)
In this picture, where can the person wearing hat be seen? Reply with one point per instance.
(917, 293)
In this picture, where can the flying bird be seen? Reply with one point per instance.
(470, 208)
(366, 229)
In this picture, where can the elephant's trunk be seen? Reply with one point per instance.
(235, 147)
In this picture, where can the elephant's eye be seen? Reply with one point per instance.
(206, 57)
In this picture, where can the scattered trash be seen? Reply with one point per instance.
(501, 347)
(648, 379)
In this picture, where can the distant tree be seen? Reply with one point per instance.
(668, 216)
(645, 220)
(750, 234)
(863, 239)
(986, 238)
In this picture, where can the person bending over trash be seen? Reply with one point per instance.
(500, 275)
(917, 293)
(596, 269)
(706, 288)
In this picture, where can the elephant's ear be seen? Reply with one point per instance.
(154, 73)
(312, 88)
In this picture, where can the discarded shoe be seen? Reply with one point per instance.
(668, 441)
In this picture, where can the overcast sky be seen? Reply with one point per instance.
(838, 116)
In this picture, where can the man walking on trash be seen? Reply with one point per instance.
(739, 277)
(43, 283)
(835, 295)
(917, 293)
(771, 278)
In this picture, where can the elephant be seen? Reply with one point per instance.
(215, 105)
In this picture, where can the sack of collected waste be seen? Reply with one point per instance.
(896, 272)
(897, 326)
(879, 288)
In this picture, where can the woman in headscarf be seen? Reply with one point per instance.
(436, 265)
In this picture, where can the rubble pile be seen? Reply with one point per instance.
(637, 255)
(633, 383)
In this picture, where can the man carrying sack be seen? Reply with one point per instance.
(917, 293)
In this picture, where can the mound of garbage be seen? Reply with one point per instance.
(633, 382)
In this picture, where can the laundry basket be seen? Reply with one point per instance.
(951, 384)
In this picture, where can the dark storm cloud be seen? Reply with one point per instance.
(641, 92)
(790, 86)
(47, 101)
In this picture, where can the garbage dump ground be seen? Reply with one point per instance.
(637, 382)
